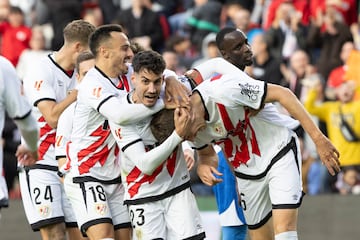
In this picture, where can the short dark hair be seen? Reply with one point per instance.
(150, 60)
(84, 56)
(162, 124)
(102, 34)
(221, 34)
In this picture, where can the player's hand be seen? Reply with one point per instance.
(208, 173)
(26, 157)
(176, 94)
(189, 158)
(182, 121)
(329, 155)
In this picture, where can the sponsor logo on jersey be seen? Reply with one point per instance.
(252, 91)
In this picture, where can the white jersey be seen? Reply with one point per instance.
(92, 148)
(12, 101)
(47, 81)
(63, 135)
(249, 143)
(168, 176)
(11, 98)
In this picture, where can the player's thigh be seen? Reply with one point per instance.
(181, 210)
(285, 183)
(264, 232)
(100, 231)
(148, 220)
(255, 201)
(119, 212)
(89, 201)
(285, 220)
(123, 234)
(75, 234)
(42, 197)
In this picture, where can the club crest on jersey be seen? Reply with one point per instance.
(44, 210)
(101, 208)
(38, 84)
(118, 133)
(97, 92)
(218, 128)
(252, 91)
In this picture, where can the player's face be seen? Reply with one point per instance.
(84, 67)
(147, 87)
(237, 49)
(119, 52)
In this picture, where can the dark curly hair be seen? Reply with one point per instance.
(149, 60)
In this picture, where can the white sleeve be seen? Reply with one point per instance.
(17, 106)
(29, 131)
(216, 65)
(63, 131)
(133, 148)
(115, 110)
(169, 73)
(39, 83)
(147, 162)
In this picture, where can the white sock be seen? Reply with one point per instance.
(107, 239)
(291, 235)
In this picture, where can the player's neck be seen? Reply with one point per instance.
(64, 59)
(107, 69)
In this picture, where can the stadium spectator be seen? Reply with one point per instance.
(15, 35)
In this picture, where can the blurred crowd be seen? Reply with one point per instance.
(312, 47)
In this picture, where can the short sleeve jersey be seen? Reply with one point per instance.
(47, 81)
(63, 133)
(248, 142)
(92, 149)
(171, 174)
(11, 99)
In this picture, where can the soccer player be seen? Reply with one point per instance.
(155, 176)
(84, 62)
(50, 88)
(93, 183)
(15, 104)
(263, 151)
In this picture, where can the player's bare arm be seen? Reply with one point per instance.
(328, 154)
(176, 93)
(207, 167)
(52, 110)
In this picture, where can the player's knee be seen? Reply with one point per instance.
(290, 235)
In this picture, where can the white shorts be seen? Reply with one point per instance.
(44, 198)
(175, 217)
(280, 188)
(96, 203)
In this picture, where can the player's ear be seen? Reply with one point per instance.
(133, 78)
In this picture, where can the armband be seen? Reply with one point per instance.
(185, 78)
